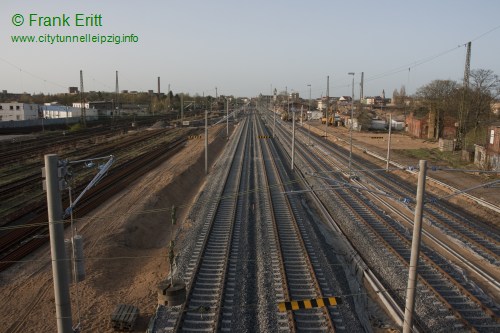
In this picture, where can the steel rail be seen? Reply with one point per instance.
(459, 286)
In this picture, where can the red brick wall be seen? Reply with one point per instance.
(417, 127)
(495, 146)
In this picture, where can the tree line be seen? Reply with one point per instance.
(447, 98)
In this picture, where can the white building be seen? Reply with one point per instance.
(79, 105)
(321, 102)
(18, 111)
(51, 111)
(314, 115)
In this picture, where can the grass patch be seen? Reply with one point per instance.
(437, 157)
(75, 127)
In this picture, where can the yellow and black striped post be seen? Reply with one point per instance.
(308, 303)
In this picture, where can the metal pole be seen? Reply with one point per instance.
(301, 115)
(389, 144)
(206, 141)
(168, 97)
(309, 124)
(352, 123)
(274, 120)
(293, 136)
(227, 119)
(57, 251)
(288, 104)
(182, 108)
(327, 102)
(309, 97)
(309, 133)
(415, 249)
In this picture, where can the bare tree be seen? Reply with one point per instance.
(399, 97)
(484, 88)
(440, 96)
(395, 97)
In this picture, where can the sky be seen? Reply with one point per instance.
(245, 48)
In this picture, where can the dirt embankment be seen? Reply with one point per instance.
(125, 245)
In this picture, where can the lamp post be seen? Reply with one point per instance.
(350, 127)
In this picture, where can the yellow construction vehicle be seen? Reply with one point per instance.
(332, 120)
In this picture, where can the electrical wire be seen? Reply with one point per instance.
(33, 75)
(90, 258)
(234, 195)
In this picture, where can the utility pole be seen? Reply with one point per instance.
(463, 113)
(117, 92)
(301, 115)
(227, 119)
(182, 108)
(352, 123)
(389, 144)
(288, 104)
(309, 97)
(83, 113)
(206, 140)
(274, 111)
(308, 123)
(168, 97)
(53, 175)
(361, 86)
(158, 90)
(293, 136)
(327, 103)
(415, 249)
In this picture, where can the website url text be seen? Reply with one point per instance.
(86, 38)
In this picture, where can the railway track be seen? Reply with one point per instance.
(21, 206)
(33, 176)
(209, 264)
(229, 288)
(297, 254)
(471, 234)
(436, 273)
(21, 150)
(18, 241)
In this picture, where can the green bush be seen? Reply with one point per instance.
(75, 127)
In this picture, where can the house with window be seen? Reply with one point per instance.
(488, 156)
(18, 111)
(321, 102)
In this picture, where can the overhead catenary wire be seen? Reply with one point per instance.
(33, 75)
(233, 195)
(141, 257)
